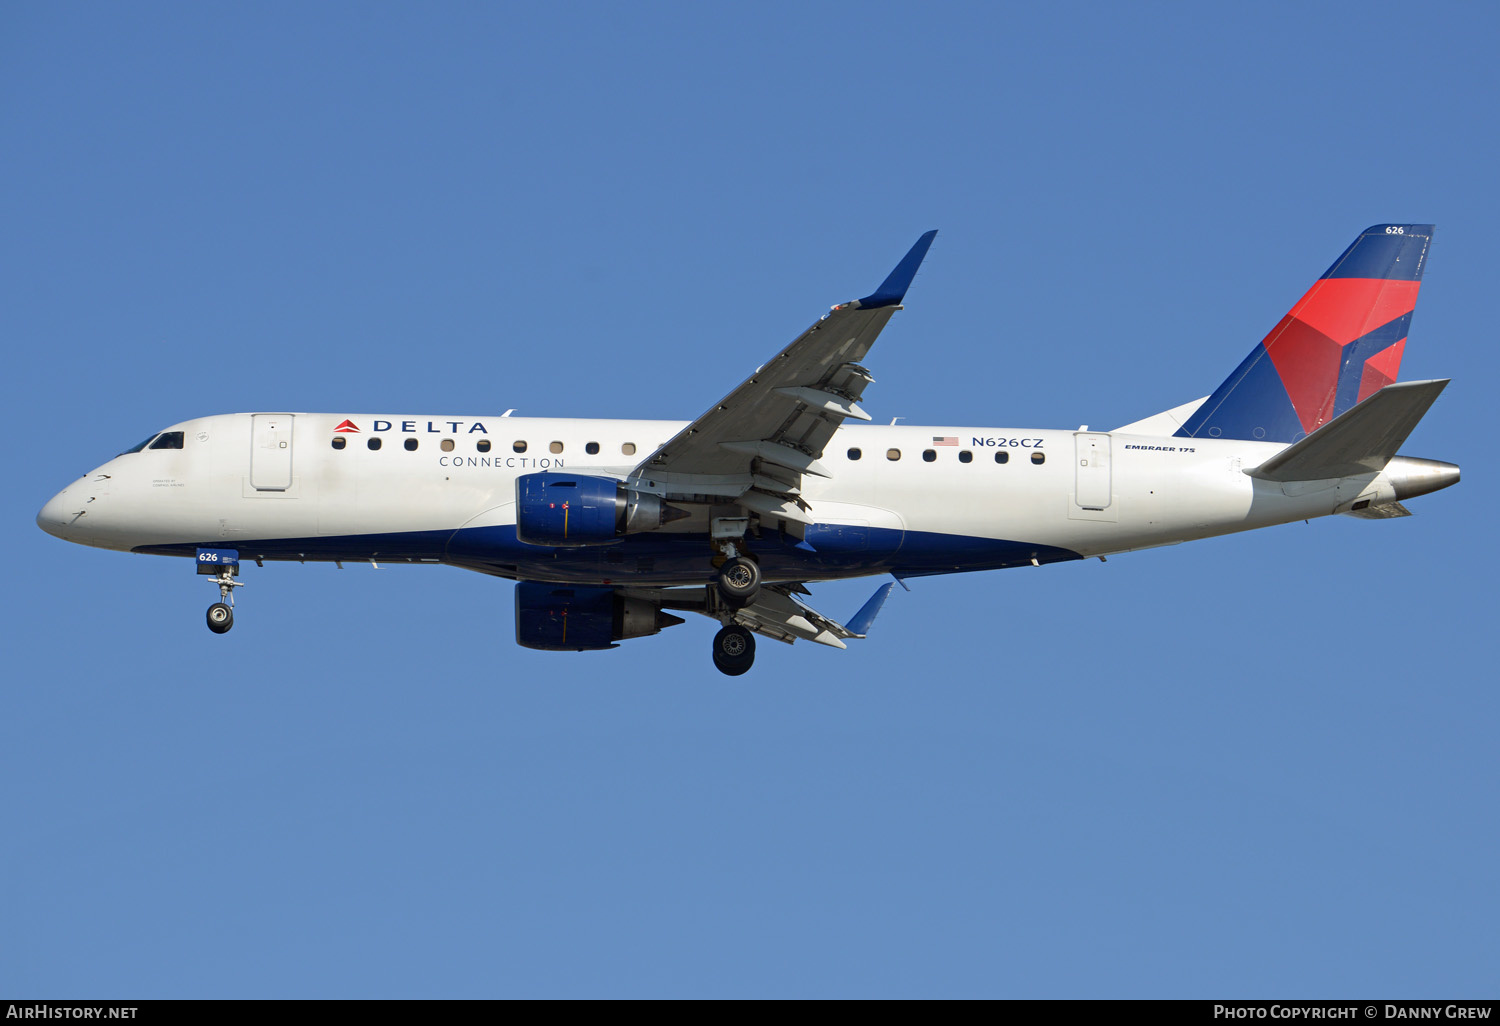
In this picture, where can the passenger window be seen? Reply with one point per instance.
(446, 445)
(168, 440)
(338, 441)
(592, 448)
(483, 445)
(373, 443)
(628, 448)
(855, 454)
(556, 447)
(928, 455)
(1002, 456)
(1039, 458)
(519, 446)
(411, 445)
(893, 454)
(966, 456)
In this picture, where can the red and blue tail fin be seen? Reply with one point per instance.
(1339, 345)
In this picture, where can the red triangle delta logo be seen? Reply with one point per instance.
(346, 427)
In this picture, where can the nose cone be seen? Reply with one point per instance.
(1412, 477)
(64, 515)
(56, 515)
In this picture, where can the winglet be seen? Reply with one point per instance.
(859, 624)
(893, 289)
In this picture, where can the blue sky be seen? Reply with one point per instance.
(1255, 766)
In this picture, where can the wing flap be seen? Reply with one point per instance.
(778, 612)
(784, 616)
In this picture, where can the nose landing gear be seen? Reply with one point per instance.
(223, 565)
(220, 617)
(221, 613)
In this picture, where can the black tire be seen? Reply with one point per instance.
(739, 582)
(734, 650)
(220, 618)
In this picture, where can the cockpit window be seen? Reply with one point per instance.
(168, 440)
(138, 448)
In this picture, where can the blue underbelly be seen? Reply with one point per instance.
(658, 559)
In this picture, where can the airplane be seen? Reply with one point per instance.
(610, 527)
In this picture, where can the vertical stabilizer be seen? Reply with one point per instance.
(1340, 344)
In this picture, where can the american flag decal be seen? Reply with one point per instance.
(945, 440)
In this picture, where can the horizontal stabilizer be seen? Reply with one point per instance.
(1361, 441)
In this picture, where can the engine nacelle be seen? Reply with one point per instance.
(575, 510)
(565, 618)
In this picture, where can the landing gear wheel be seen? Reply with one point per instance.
(220, 618)
(734, 650)
(739, 582)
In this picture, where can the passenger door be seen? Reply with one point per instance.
(271, 452)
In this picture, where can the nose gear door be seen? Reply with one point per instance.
(271, 452)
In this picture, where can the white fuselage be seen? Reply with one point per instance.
(903, 499)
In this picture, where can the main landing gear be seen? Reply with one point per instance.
(221, 613)
(734, 650)
(739, 582)
(737, 585)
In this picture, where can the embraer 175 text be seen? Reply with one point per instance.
(606, 525)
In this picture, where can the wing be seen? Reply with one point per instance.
(753, 446)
